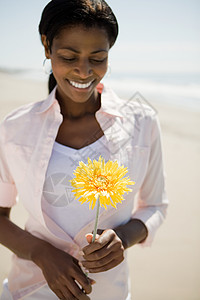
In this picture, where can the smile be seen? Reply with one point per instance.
(80, 85)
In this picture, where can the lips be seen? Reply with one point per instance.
(81, 85)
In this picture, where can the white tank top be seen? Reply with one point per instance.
(58, 201)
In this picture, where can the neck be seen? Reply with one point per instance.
(74, 110)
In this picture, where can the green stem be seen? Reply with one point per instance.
(96, 221)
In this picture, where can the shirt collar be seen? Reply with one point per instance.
(43, 106)
(110, 102)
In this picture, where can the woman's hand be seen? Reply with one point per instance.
(104, 254)
(62, 273)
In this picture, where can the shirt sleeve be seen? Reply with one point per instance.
(8, 191)
(152, 203)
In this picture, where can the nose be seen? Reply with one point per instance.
(83, 69)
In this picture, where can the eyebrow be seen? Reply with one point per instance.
(76, 51)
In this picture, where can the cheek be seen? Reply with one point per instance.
(101, 71)
(58, 69)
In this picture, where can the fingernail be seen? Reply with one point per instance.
(81, 253)
(92, 281)
(88, 234)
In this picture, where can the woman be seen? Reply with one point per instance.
(42, 143)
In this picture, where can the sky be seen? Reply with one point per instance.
(156, 36)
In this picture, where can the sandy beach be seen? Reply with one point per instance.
(170, 269)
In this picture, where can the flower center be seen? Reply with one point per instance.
(101, 183)
(102, 179)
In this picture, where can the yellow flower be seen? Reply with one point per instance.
(102, 181)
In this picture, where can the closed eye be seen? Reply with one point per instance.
(92, 60)
(69, 59)
(66, 59)
(98, 60)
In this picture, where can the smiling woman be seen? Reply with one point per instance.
(42, 143)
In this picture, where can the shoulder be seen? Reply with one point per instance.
(21, 117)
(23, 111)
(138, 106)
(134, 107)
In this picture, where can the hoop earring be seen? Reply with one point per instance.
(47, 68)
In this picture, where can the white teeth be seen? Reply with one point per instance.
(80, 85)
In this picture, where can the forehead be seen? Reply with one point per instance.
(82, 37)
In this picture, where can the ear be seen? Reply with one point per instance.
(46, 46)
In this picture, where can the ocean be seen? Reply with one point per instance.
(182, 90)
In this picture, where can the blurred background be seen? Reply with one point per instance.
(157, 51)
(158, 55)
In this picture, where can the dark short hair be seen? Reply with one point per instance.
(59, 14)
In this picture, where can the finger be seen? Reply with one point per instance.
(82, 279)
(92, 281)
(106, 237)
(107, 267)
(114, 246)
(59, 294)
(76, 291)
(101, 262)
(89, 237)
(66, 294)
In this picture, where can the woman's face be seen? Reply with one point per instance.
(79, 58)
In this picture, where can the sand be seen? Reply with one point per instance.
(170, 269)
